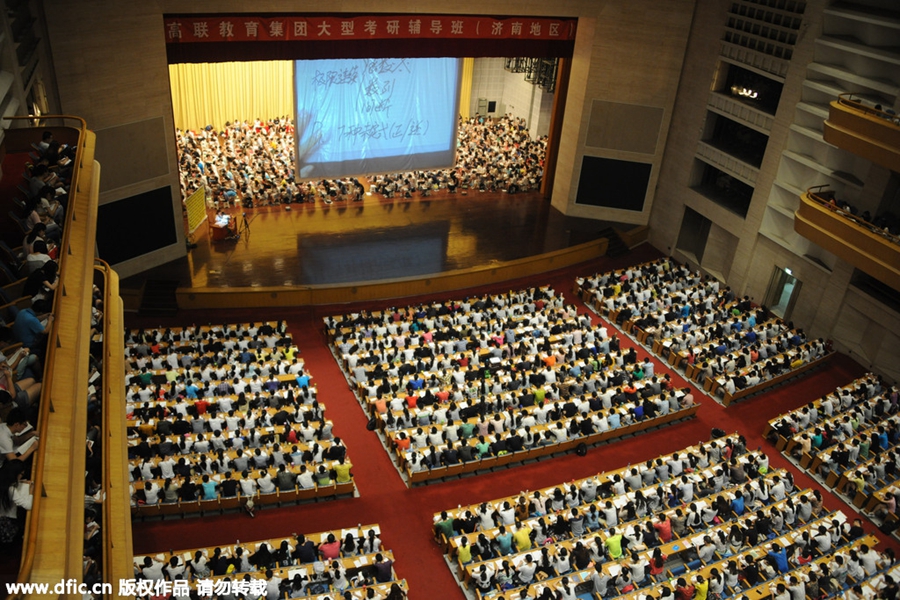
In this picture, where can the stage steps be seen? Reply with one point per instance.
(158, 298)
(616, 246)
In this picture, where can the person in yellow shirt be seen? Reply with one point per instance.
(342, 471)
(522, 537)
(701, 588)
(614, 544)
(464, 551)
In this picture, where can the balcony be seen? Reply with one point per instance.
(863, 130)
(849, 237)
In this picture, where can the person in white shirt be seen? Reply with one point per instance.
(248, 485)
(272, 586)
(305, 479)
(265, 483)
(526, 570)
(15, 492)
(152, 569)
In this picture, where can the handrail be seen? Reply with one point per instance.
(862, 223)
(101, 268)
(30, 540)
(117, 561)
(847, 100)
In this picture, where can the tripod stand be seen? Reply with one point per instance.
(243, 227)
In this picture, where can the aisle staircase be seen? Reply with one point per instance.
(158, 298)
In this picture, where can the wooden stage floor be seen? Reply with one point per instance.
(375, 239)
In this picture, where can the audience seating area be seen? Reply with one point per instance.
(476, 384)
(219, 415)
(848, 439)
(710, 516)
(316, 566)
(726, 344)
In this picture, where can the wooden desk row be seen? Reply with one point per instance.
(607, 475)
(494, 462)
(771, 425)
(789, 374)
(359, 533)
(221, 505)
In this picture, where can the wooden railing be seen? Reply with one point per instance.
(51, 552)
(863, 130)
(819, 193)
(117, 553)
(848, 100)
(849, 237)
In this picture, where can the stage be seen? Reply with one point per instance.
(375, 239)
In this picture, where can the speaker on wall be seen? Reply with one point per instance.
(612, 183)
(137, 225)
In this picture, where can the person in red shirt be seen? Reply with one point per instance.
(402, 442)
(658, 562)
(331, 549)
(683, 591)
(664, 528)
(201, 405)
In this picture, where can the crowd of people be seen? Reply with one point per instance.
(746, 524)
(225, 411)
(295, 567)
(486, 376)
(46, 186)
(729, 340)
(253, 164)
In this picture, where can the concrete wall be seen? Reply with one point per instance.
(828, 306)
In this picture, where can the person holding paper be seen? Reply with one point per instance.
(15, 443)
(15, 492)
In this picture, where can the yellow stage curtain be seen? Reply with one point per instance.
(465, 87)
(213, 93)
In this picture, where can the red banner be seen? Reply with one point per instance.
(245, 28)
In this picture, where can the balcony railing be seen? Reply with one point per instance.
(51, 552)
(855, 240)
(860, 128)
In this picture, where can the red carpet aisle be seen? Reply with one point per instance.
(405, 515)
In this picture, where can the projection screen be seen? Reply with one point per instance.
(359, 116)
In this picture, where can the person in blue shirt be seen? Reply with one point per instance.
(504, 541)
(737, 504)
(191, 390)
(779, 556)
(614, 419)
(303, 379)
(29, 330)
(209, 488)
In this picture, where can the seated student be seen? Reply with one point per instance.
(12, 439)
(383, 569)
(15, 492)
(331, 548)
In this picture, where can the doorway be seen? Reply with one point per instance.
(783, 291)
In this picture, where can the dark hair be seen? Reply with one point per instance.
(16, 416)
